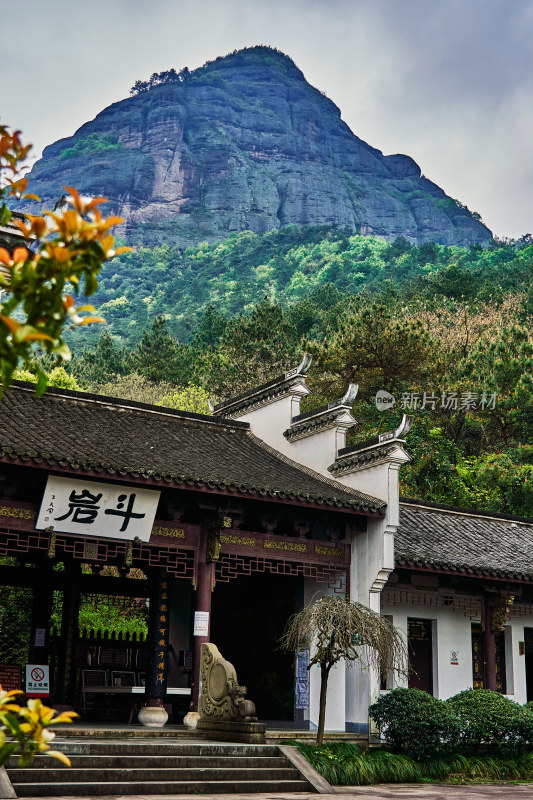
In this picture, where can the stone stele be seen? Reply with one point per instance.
(225, 712)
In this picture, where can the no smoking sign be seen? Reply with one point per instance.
(37, 680)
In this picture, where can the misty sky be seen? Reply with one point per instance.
(448, 82)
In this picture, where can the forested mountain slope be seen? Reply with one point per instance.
(244, 143)
(447, 331)
(286, 266)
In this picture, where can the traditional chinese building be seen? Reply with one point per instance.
(462, 590)
(225, 525)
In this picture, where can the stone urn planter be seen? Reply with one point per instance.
(153, 716)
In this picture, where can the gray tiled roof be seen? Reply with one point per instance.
(468, 542)
(121, 437)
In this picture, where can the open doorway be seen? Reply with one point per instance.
(420, 645)
(248, 619)
(528, 644)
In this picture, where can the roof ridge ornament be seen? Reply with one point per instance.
(350, 395)
(302, 368)
(404, 427)
(401, 431)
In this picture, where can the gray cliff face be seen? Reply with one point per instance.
(245, 143)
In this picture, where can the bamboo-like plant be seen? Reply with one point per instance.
(336, 629)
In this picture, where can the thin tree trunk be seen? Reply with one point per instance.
(324, 674)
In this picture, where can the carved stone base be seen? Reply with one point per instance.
(153, 716)
(190, 720)
(227, 730)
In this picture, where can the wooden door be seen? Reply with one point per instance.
(420, 645)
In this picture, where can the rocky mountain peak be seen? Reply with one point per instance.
(245, 142)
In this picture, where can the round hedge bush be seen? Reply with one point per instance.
(491, 720)
(413, 722)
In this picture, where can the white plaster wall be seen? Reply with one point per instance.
(451, 631)
(335, 703)
(361, 691)
(269, 421)
(319, 450)
(373, 480)
(515, 660)
(379, 480)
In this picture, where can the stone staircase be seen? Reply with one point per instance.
(148, 767)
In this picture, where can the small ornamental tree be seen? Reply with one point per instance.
(65, 250)
(336, 629)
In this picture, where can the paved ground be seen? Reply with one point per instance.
(418, 791)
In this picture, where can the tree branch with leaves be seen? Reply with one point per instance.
(64, 251)
(25, 729)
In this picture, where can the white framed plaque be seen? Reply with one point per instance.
(37, 680)
(201, 623)
(114, 511)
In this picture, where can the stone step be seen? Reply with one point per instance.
(149, 767)
(138, 748)
(124, 731)
(109, 789)
(159, 774)
(171, 761)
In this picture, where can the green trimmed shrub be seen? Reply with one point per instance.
(490, 719)
(413, 722)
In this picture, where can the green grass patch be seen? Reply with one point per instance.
(344, 764)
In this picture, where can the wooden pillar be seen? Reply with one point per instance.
(490, 648)
(204, 590)
(41, 611)
(156, 688)
(69, 632)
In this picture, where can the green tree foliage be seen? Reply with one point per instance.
(93, 145)
(374, 346)
(189, 398)
(253, 348)
(159, 357)
(289, 265)
(160, 78)
(101, 364)
(505, 367)
(58, 377)
(98, 614)
(132, 387)
(416, 321)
